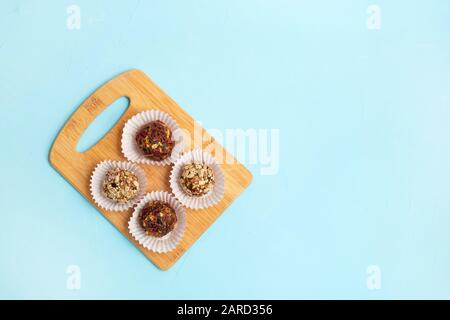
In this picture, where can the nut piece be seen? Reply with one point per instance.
(157, 218)
(120, 185)
(196, 179)
(155, 140)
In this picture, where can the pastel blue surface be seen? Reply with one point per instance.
(363, 118)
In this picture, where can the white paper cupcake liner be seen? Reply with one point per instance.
(208, 200)
(98, 176)
(170, 240)
(133, 125)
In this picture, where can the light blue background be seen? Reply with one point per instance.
(363, 115)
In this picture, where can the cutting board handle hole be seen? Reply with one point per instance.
(102, 124)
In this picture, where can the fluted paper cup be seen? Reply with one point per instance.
(170, 240)
(130, 148)
(98, 177)
(211, 198)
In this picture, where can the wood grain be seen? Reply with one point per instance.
(143, 94)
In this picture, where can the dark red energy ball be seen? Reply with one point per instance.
(157, 218)
(155, 140)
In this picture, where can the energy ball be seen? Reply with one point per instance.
(157, 218)
(120, 185)
(196, 179)
(155, 140)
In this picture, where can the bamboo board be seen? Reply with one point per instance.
(143, 94)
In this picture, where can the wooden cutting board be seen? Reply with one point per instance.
(143, 94)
